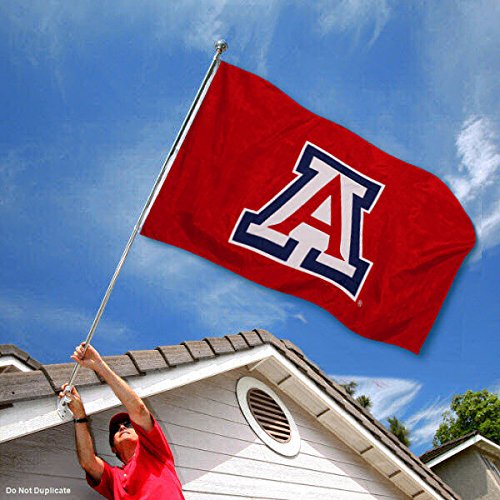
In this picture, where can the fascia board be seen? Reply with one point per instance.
(489, 446)
(12, 360)
(306, 381)
(27, 417)
(480, 440)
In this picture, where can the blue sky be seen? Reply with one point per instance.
(92, 95)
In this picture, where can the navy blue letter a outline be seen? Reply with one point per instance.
(305, 247)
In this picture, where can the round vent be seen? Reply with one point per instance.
(269, 418)
(269, 415)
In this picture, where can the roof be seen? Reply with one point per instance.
(439, 450)
(13, 352)
(46, 381)
(455, 446)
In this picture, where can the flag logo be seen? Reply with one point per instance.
(315, 224)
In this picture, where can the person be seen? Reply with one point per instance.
(148, 470)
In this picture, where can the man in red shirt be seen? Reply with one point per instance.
(148, 470)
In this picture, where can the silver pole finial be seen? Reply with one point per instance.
(221, 46)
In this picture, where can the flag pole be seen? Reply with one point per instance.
(220, 47)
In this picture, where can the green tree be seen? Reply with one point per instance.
(399, 430)
(350, 387)
(365, 401)
(471, 411)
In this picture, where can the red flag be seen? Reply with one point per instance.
(297, 203)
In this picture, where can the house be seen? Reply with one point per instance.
(247, 416)
(470, 464)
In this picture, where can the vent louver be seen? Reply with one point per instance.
(269, 415)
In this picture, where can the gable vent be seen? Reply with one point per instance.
(269, 415)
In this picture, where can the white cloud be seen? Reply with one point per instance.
(250, 25)
(393, 396)
(424, 423)
(300, 317)
(461, 66)
(488, 226)
(495, 388)
(459, 55)
(25, 315)
(220, 300)
(12, 166)
(233, 305)
(50, 31)
(480, 158)
(389, 396)
(476, 181)
(353, 16)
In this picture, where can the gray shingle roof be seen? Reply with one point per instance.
(13, 350)
(439, 450)
(48, 378)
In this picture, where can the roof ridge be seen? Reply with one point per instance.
(439, 450)
(17, 352)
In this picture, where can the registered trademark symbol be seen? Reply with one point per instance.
(360, 303)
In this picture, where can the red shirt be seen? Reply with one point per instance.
(150, 473)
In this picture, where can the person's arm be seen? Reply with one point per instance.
(90, 462)
(136, 408)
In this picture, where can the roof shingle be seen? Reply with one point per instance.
(122, 365)
(175, 354)
(220, 345)
(199, 349)
(238, 342)
(59, 374)
(252, 338)
(19, 386)
(148, 360)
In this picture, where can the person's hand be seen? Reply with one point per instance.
(91, 360)
(75, 405)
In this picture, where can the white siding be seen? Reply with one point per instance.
(44, 459)
(217, 454)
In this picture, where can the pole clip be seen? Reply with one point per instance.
(62, 404)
